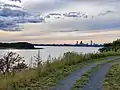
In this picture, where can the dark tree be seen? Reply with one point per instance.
(11, 62)
(114, 46)
(17, 45)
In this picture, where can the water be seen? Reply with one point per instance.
(52, 51)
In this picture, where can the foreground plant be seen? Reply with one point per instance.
(11, 62)
(48, 74)
(112, 80)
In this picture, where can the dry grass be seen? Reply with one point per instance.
(49, 73)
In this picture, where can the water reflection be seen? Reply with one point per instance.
(52, 51)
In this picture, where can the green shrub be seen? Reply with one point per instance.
(50, 72)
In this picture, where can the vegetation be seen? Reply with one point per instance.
(112, 80)
(84, 79)
(18, 45)
(114, 46)
(11, 62)
(47, 74)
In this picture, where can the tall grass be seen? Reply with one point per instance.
(49, 72)
(112, 79)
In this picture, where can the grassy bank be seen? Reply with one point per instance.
(112, 80)
(50, 72)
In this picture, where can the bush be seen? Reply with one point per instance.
(11, 62)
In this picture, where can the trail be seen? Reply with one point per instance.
(69, 81)
(96, 80)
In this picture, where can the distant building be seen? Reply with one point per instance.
(77, 43)
(91, 43)
(81, 42)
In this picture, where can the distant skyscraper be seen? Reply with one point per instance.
(91, 42)
(77, 43)
(81, 42)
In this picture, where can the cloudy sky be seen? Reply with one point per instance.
(100, 23)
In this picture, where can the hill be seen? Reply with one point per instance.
(17, 45)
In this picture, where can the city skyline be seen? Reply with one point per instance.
(65, 21)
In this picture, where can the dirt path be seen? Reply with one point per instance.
(69, 81)
(96, 80)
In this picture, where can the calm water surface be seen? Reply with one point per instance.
(53, 51)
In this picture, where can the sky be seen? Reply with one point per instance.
(101, 25)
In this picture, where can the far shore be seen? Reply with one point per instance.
(22, 48)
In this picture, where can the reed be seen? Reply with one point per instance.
(48, 73)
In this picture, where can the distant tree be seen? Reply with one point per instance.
(17, 45)
(114, 46)
(11, 62)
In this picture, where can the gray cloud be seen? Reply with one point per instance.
(50, 5)
(44, 6)
(55, 30)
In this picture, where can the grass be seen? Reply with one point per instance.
(112, 79)
(50, 72)
(84, 79)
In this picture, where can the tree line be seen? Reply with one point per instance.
(17, 45)
(114, 46)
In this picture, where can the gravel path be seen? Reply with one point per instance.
(69, 81)
(96, 80)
